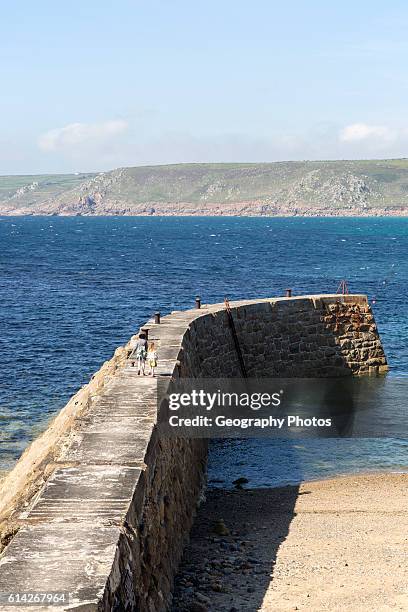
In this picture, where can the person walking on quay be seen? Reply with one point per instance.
(152, 358)
(140, 352)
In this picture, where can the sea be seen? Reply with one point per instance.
(74, 288)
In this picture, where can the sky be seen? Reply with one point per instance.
(93, 85)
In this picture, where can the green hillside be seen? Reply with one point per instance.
(318, 187)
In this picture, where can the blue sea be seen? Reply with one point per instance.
(72, 289)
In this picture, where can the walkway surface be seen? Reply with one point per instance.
(336, 545)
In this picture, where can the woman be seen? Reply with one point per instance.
(140, 353)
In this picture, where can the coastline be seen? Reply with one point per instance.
(336, 544)
(308, 187)
(340, 214)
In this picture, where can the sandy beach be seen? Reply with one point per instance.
(335, 545)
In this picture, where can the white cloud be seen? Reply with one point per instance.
(357, 132)
(75, 134)
(102, 146)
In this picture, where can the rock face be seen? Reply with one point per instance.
(24, 190)
(100, 506)
(282, 188)
(345, 190)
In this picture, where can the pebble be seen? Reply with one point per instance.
(246, 565)
(220, 528)
(240, 481)
(203, 598)
(196, 606)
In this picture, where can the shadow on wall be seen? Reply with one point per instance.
(302, 337)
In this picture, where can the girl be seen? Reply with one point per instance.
(152, 358)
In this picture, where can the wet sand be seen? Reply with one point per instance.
(334, 545)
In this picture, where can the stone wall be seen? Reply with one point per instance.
(304, 337)
(114, 502)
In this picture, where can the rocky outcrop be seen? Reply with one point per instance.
(339, 191)
(24, 190)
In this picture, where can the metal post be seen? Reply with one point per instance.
(343, 288)
(198, 301)
(288, 292)
(145, 331)
(157, 317)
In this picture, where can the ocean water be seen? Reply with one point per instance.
(72, 289)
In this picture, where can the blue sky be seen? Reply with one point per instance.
(95, 85)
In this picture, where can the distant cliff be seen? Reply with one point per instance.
(327, 188)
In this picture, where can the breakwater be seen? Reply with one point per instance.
(100, 506)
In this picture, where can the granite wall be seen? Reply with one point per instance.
(304, 337)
